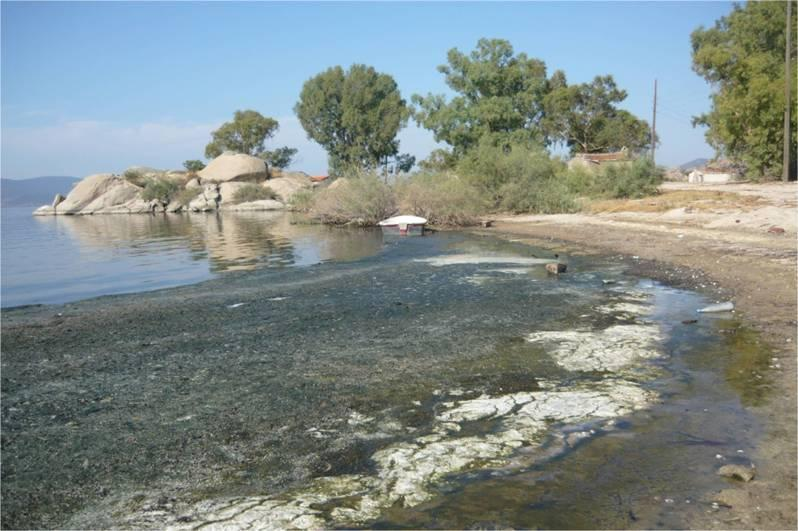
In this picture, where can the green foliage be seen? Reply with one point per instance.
(627, 181)
(245, 134)
(542, 194)
(742, 56)
(186, 195)
(498, 92)
(302, 201)
(193, 166)
(439, 160)
(442, 198)
(492, 165)
(279, 158)
(404, 163)
(362, 199)
(135, 177)
(161, 190)
(585, 117)
(253, 192)
(354, 115)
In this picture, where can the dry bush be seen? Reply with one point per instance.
(361, 200)
(253, 192)
(441, 198)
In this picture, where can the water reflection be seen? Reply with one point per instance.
(63, 258)
(230, 241)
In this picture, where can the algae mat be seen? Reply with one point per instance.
(446, 381)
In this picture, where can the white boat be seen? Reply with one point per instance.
(403, 225)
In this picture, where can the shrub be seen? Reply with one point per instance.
(549, 195)
(494, 164)
(442, 198)
(253, 192)
(193, 166)
(135, 177)
(302, 201)
(635, 180)
(362, 199)
(160, 190)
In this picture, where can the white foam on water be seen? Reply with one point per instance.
(459, 259)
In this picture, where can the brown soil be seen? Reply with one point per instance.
(731, 251)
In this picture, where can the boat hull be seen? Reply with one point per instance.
(403, 230)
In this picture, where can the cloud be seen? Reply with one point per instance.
(84, 147)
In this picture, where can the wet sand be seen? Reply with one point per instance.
(745, 263)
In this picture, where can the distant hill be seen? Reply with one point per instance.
(693, 164)
(33, 192)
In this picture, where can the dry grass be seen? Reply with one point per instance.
(701, 200)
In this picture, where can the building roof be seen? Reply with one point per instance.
(598, 158)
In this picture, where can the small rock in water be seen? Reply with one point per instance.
(556, 268)
(740, 472)
(690, 321)
(608, 281)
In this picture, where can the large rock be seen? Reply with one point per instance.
(286, 187)
(207, 200)
(118, 194)
(57, 200)
(228, 191)
(234, 167)
(88, 190)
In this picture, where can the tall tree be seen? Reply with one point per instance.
(586, 119)
(742, 57)
(499, 93)
(355, 115)
(247, 133)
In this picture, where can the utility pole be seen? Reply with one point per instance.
(654, 126)
(785, 172)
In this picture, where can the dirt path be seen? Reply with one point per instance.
(727, 248)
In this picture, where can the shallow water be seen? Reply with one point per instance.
(445, 381)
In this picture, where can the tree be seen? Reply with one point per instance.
(499, 93)
(585, 117)
(355, 115)
(193, 166)
(247, 133)
(742, 57)
(279, 158)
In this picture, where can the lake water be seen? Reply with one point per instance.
(56, 259)
(329, 378)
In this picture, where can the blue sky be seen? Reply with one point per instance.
(96, 87)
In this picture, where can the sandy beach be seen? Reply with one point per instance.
(732, 242)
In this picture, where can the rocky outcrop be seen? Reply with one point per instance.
(215, 186)
(207, 200)
(93, 193)
(231, 166)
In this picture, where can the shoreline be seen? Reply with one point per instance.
(761, 281)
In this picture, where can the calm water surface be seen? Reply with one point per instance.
(56, 259)
(444, 381)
